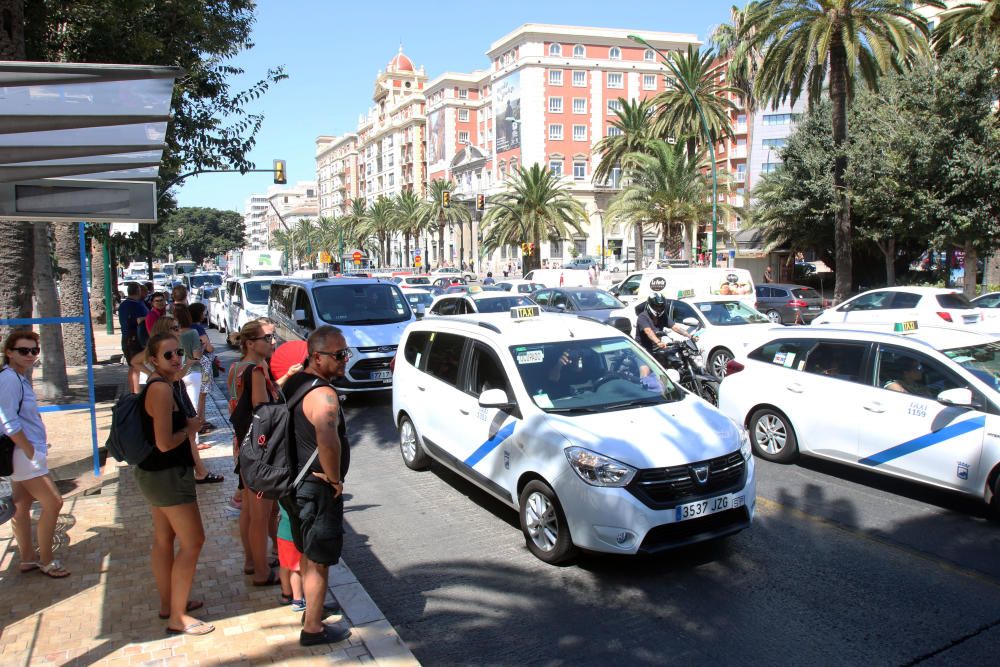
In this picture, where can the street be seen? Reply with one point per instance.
(839, 567)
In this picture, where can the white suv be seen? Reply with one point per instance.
(571, 423)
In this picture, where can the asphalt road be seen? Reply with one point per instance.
(840, 567)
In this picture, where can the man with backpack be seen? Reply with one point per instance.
(132, 313)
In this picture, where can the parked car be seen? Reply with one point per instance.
(989, 306)
(789, 304)
(582, 262)
(447, 281)
(883, 309)
(519, 286)
(446, 271)
(587, 302)
(247, 301)
(478, 302)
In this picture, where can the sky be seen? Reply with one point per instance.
(332, 51)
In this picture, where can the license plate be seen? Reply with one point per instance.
(381, 375)
(970, 319)
(813, 307)
(706, 507)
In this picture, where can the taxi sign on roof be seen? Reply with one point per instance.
(903, 327)
(524, 312)
(685, 293)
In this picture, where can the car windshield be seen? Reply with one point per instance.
(371, 303)
(502, 304)
(591, 299)
(202, 279)
(585, 376)
(805, 293)
(982, 360)
(256, 292)
(729, 313)
(421, 298)
(417, 280)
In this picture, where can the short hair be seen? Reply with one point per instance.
(182, 315)
(320, 338)
(158, 295)
(133, 289)
(179, 289)
(197, 310)
(16, 335)
(153, 346)
(164, 324)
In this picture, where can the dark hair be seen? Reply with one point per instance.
(179, 289)
(319, 338)
(182, 315)
(197, 310)
(16, 335)
(157, 295)
(133, 289)
(153, 347)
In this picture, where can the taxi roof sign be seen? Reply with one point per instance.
(525, 312)
(685, 293)
(904, 327)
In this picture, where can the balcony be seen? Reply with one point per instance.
(738, 152)
(740, 176)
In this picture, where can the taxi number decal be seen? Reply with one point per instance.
(531, 357)
(917, 409)
(786, 359)
(482, 414)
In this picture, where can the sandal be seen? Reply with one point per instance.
(272, 580)
(199, 628)
(54, 570)
(210, 478)
(191, 606)
(29, 566)
(285, 599)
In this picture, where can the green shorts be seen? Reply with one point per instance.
(166, 488)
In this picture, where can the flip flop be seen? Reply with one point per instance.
(210, 478)
(53, 569)
(191, 606)
(286, 599)
(197, 629)
(272, 580)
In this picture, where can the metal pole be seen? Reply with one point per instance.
(708, 138)
(109, 325)
(88, 334)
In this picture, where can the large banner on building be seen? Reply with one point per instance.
(435, 137)
(507, 112)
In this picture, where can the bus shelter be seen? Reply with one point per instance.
(81, 143)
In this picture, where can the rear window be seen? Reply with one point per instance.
(444, 356)
(502, 304)
(805, 293)
(954, 300)
(416, 343)
(786, 353)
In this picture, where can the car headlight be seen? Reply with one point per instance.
(745, 448)
(597, 469)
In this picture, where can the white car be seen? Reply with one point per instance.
(554, 416)
(419, 299)
(247, 301)
(880, 309)
(406, 282)
(477, 302)
(989, 305)
(924, 406)
(451, 272)
(518, 286)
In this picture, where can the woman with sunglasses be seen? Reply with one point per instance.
(252, 374)
(22, 423)
(166, 479)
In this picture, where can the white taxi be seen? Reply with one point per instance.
(572, 424)
(922, 405)
(879, 308)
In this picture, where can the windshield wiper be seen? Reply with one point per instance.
(570, 411)
(634, 404)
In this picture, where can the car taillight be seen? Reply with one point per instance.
(733, 366)
(944, 316)
(798, 303)
(392, 364)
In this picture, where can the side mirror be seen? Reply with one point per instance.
(421, 311)
(674, 375)
(561, 307)
(691, 322)
(622, 324)
(960, 397)
(614, 290)
(299, 316)
(494, 398)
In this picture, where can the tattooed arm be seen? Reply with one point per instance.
(322, 408)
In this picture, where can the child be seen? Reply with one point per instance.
(288, 559)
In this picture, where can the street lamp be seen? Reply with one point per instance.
(704, 127)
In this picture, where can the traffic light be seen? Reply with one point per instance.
(527, 249)
(280, 177)
(480, 202)
(445, 199)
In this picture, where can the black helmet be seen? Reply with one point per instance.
(656, 304)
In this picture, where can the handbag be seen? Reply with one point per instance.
(7, 445)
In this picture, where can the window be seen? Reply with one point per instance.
(555, 132)
(556, 167)
(649, 55)
(649, 82)
(769, 167)
(555, 77)
(843, 361)
(774, 143)
(463, 114)
(579, 78)
(614, 131)
(555, 49)
(463, 137)
(444, 356)
(463, 93)
(614, 105)
(910, 372)
(486, 372)
(559, 300)
(780, 118)
(579, 133)
(579, 105)
(542, 297)
(787, 353)
(631, 286)
(579, 51)
(615, 80)
(954, 300)
(555, 105)
(870, 301)
(579, 171)
(614, 53)
(416, 347)
(556, 249)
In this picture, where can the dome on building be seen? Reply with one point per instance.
(400, 63)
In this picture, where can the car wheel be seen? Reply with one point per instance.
(544, 524)
(409, 446)
(717, 362)
(774, 316)
(772, 436)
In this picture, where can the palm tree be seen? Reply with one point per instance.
(809, 44)
(676, 112)
(445, 215)
(282, 240)
(535, 205)
(410, 218)
(743, 54)
(665, 187)
(976, 21)
(351, 223)
(306, 237)
(327, 234)
(634, 130)
(379, 224)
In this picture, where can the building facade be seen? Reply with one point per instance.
(336, 174)
(254, 225)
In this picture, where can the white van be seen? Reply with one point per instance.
(247, 301)
(682, 283)
(560, 277)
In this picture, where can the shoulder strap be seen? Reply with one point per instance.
(20, 403)
(293, 402)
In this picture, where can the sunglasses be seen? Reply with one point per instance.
(339, 355)
(27, 350)
(268, 337)
(169, 354)
(175, 328)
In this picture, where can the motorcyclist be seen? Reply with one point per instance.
(653, 318)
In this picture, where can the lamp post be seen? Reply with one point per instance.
(704, 128)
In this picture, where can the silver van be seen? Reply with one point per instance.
(371, 313)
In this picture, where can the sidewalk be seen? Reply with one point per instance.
(106, 612)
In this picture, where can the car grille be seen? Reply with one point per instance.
(378, 349)
(663, 488)
(673, 535)
(363, 370)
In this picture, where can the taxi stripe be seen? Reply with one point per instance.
(925, 441)
(490, 445)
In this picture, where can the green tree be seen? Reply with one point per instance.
(379, 224)
(410, 218)
(731, 40)
(351, 223)
(809, 43)
(196, 232)
(969, 21)
(633, 123)
(444, 215)
(536, 205)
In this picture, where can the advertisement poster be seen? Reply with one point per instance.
(435, 137)
(507, 112)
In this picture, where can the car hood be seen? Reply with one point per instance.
(374, 335)
(656, 436)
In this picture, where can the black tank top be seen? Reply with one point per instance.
(305, 432)
(178, 457)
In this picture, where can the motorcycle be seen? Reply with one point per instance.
(683, 357)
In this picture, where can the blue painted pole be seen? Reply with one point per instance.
(87, 333)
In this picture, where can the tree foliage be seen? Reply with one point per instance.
(197, 233)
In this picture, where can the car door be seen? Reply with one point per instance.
(908, 432)
(235, 304)
(439, 389)
(307, 323)
(561, 303)
(542, 298)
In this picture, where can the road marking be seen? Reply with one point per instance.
(773, 507)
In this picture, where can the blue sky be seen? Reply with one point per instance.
(332, 51)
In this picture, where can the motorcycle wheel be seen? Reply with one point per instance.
(709, 391)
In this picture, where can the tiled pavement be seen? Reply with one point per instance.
(105, 613)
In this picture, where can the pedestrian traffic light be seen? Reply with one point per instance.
(527, 249)
(445, 199)
(280, 177)
(480, 202)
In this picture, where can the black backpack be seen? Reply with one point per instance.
(127, 440)
(268, 454)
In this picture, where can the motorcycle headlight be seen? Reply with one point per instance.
(597, 469)
(745, 448)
